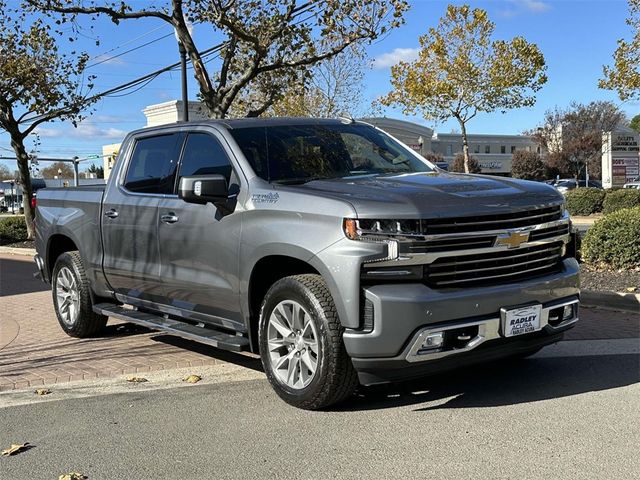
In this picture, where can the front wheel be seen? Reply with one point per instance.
(301, 346)
(72, 297)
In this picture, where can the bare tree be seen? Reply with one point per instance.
(268, 44)
(574, 135)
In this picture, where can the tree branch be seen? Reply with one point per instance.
(116, 15)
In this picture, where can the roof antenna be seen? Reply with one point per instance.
(347, 118)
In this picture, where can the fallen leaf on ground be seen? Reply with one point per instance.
(192, 379)
(137, 379)
(72, 476)
(15, 448)
(43, 391)
(632, 289)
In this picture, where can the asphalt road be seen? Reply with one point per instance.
(564, 417)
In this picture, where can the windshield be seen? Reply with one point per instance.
(301, 153)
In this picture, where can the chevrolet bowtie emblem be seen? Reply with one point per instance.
(512, 240)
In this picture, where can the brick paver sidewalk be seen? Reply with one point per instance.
(35, 351)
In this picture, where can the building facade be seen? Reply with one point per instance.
(494, 152)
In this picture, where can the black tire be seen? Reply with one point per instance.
(86, 323)
(335, 379)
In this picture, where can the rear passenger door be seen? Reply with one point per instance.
(130, 216)
(199, 244)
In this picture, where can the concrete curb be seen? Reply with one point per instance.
(628, 302)
(18, 251)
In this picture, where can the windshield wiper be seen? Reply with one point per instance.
(297, 181)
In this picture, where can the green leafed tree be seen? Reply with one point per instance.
(635, 123)
(624, 75)
(98, 171)
(461, 71)
(268, 46)
(38, 84)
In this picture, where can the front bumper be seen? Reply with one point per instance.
(405, 313)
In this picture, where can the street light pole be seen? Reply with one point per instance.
(183, 68)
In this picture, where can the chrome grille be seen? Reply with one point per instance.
(441, 226)
(494, 267)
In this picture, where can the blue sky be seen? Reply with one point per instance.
(576, 37)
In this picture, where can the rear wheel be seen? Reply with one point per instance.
(301, 344)
(72, 297)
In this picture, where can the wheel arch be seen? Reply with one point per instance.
(265, 272)
(58, 244)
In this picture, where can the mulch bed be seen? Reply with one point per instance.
(23, 244)
(601, 279)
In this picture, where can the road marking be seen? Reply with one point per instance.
(588, 348)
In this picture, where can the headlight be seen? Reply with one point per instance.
(380, 230)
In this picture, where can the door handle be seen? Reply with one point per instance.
(111, 213)
(169, 218)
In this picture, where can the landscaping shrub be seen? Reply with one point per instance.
(621, 198)
(458, 164)
(585, 201)
(12, 229)
(614, 240)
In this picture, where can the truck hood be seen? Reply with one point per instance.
(433, 195)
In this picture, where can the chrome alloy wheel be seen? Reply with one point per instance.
(68, 296)
(293, 344)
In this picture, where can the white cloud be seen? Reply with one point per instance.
(536, 6)
(86, 130)
(107, 60)
(388, 59)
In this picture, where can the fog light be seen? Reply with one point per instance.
(567, 313)
(433, 341)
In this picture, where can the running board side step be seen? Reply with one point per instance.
(215, 338)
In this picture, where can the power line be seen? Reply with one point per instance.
(108, 59)
(128, 42)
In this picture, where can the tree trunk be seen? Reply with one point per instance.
(24, 179)
(465, 144)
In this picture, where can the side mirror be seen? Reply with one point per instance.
(204, 189)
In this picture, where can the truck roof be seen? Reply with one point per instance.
(276, 122)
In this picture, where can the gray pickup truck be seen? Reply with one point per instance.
(333, 250)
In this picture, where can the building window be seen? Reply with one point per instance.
(449, 150)
(487, 149)
(528, 148)
(503, 149)
(538, 149)
(513, 149)
(476, 149)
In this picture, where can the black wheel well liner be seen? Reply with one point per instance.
(267, 271)
(58, 244)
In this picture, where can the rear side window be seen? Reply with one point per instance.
(152, 168)
(203, 155)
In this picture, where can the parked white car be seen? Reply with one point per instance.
(634, 184)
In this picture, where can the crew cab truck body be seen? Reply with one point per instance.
(337, 253)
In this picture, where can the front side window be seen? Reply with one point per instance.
(203, 155)
(152, 167)
(301, 153)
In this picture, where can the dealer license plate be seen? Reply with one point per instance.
(518, 321)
